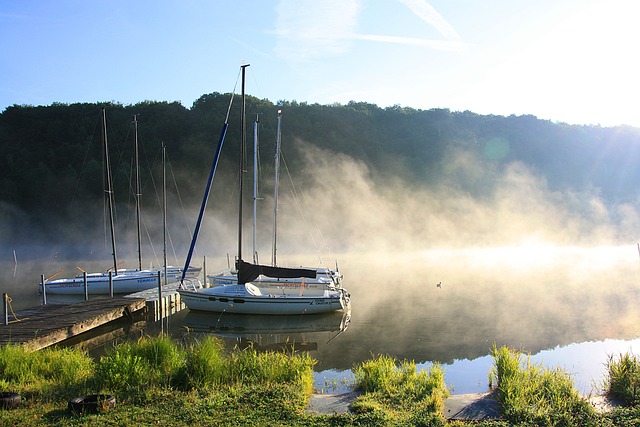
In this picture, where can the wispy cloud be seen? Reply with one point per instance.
(311, 28)
(427, 13)
(430, 43)
(308, 29)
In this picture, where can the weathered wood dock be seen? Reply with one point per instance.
(45, 325)
(160, 306)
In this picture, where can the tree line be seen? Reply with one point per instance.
(51, 156)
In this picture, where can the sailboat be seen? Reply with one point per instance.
(244, 297)
(120, 281)
(324, 276)
(171, 273)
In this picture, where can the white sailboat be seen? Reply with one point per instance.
(325, 277)
(120, 281)
(244, 297)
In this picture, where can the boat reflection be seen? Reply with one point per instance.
(270, 332)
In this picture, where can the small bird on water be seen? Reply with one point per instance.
(439, 285)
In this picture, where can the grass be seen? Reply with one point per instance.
(624, 378)
(45, 373)
(133, 368)
(399, 393)
(157, 379)
(536, 395)
(159, 382)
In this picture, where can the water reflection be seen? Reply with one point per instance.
(561, 297)
(539, 299)
(263, 332)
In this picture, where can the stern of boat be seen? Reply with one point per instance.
(345, 299)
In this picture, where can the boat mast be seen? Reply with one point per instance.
(164, 210)
(243, 141)
(255, 187)
(275, 191)
(137, 190)
(108, 190)
(205, 197)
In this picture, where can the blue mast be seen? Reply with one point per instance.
(205, 198)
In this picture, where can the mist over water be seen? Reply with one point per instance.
(517, 263)
(402, 311)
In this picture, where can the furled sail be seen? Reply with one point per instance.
(249, 272)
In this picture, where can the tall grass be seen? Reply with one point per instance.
(529, 393)
(207, 364)
(253, 388)
(249, 366)
(133, 367)
(50, 372)
(400, 390)
(624, 378)
(63, 368)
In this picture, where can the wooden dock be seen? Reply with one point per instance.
(160, 306)
(45, 325)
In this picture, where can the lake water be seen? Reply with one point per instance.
(571, 307)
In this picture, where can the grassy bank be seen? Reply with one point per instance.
(157, 381)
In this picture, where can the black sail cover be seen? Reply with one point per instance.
(249, 272)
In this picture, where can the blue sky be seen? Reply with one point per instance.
(574, 61)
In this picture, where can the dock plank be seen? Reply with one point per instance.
(41, 326)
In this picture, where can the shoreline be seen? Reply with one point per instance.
(469, 406)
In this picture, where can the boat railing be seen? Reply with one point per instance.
(193, 283)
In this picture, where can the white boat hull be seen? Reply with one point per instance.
(247, 299)
(125, 282)
(99, 285)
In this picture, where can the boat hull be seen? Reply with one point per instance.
(100, 285)
(126, 282)
(223, 301)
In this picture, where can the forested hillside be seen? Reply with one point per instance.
(51, 157)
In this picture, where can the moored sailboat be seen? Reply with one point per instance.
(325, 277)
(118, 281)
(244, 297)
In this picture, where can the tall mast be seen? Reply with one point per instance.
(137, 190)
(164, 211)
(275, 191)
(108, 190)
(205, 197)
(243, 141)
(255, 187)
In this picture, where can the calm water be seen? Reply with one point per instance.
(568, 307)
